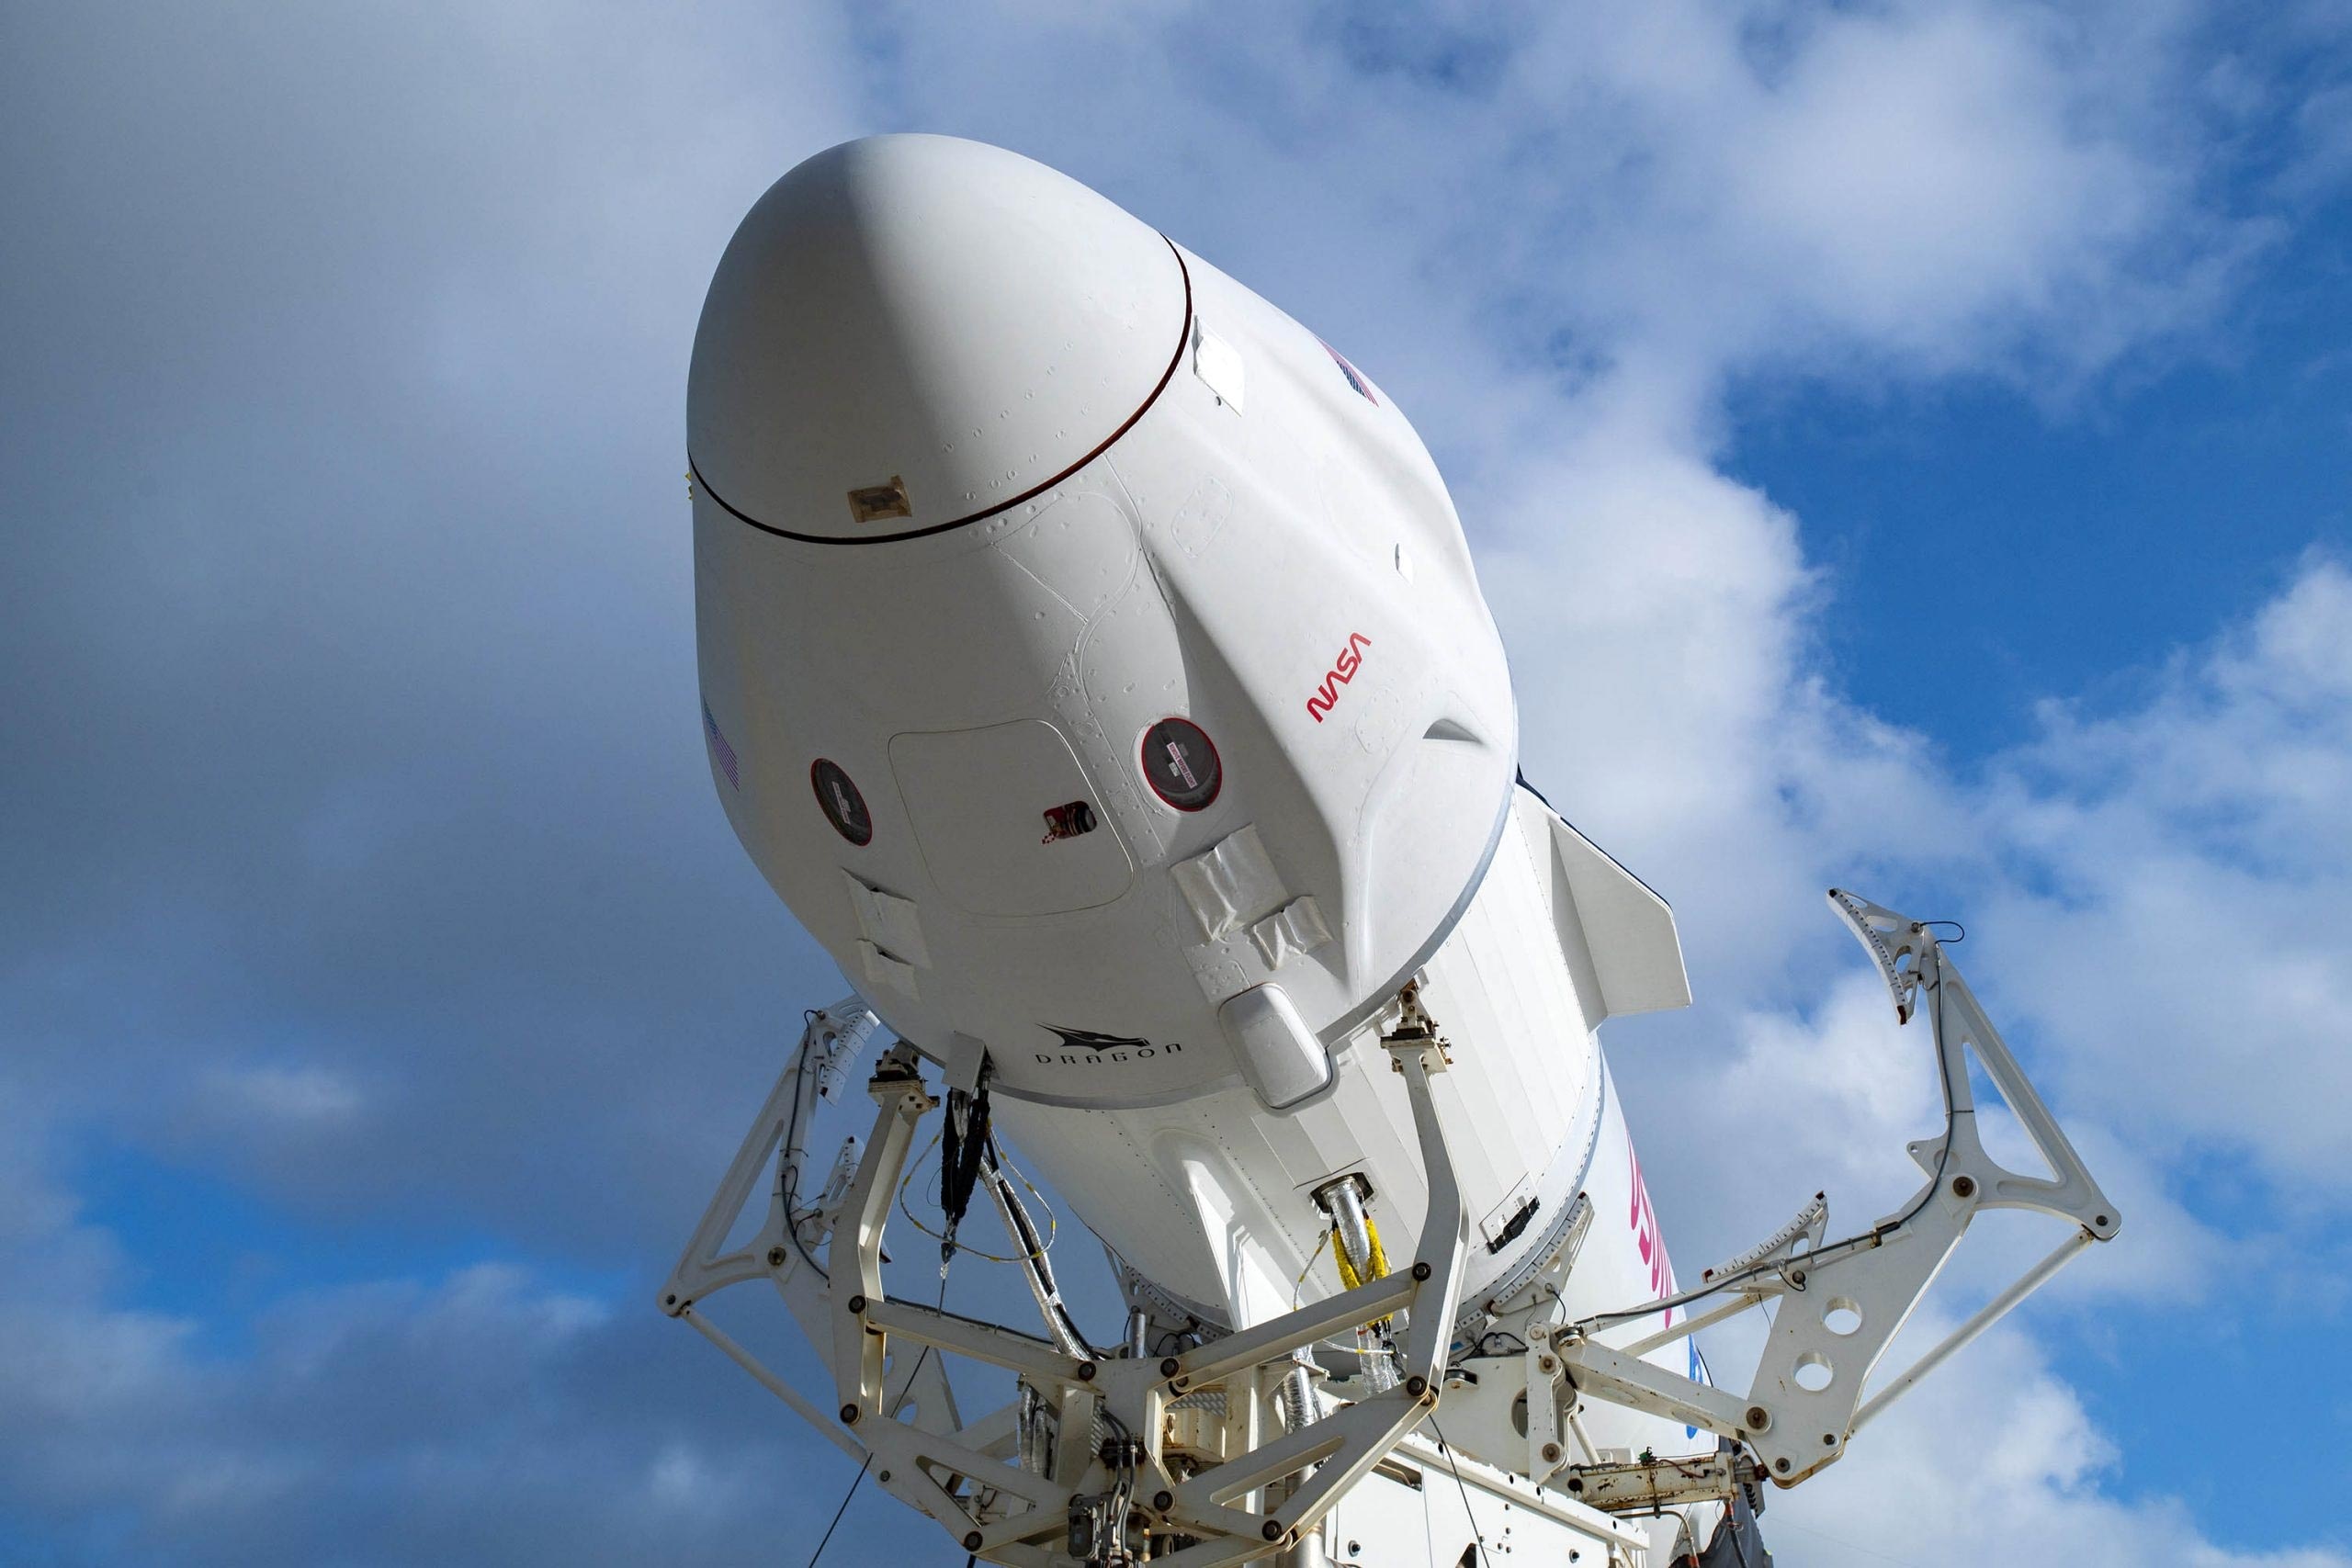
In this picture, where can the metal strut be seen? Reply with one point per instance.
(1010, 1485)
(1842, 1303)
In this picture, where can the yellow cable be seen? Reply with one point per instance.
(1349, 1277)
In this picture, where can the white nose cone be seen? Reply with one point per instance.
(910, 333)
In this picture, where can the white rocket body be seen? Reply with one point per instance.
(1093, 661)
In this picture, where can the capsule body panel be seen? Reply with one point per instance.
(1157, 780)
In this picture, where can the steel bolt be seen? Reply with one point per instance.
(1417, 1385)
(857, 1304)
(1086, 1372)
(775, 1257)
(1781, 1465)
(1272, 1529)
(971, 1540)
(1963, 1186)
(849, 1415)
(1421, 1271)
(1551, 1453)
(1167, 1367)
(884, 1478)
(1758, 1418)
(1163, 1501)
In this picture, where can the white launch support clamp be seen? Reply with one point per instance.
(1842, 1303)
(967, 1476)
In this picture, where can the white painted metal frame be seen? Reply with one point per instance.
(1841, 1304)
(964, 1475)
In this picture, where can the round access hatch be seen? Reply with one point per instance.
(1181, 764)
(842, 805)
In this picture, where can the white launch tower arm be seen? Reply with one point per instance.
(1178, 1448)
(1841, 1303)
(1105, 1451)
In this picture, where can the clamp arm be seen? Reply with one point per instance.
(1841, 1303)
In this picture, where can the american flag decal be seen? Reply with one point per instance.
(1354, 375)
(719, 749)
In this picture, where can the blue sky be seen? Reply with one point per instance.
(1905, 444)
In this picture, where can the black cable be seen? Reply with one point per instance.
(1836, 1249)
(839, 1511)
(1477, 1536)
(862, 1469)
(787, 1175)
(964, 1142)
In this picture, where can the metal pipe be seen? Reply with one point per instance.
(1992, 1313)
(807, 1412)
(1300, 1407)
(1035, 1441)
(1584, 1438)
(1040, 1273)
(1343, 1201)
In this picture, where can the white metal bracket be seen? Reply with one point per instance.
(1841, 1303)
(1264, 1498)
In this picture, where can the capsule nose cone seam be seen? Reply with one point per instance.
(911, 333)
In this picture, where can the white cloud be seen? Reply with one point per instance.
(1562, 233)
(303, 1097)
(2192, 865)
(1994, 1460)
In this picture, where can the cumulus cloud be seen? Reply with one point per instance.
(1995, 1462)
(373, 855)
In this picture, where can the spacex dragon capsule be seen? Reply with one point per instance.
(1092, 661)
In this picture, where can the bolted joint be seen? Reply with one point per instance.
(775, 1256)
(1163, 1501)
(1551, 1453)
(849, 1415)
(1759, 1419)
(1421, 1271)
(1085, 1370)
(971, 1540)
(857, 1305)
(1417, 1385)
(1167, 1367)
(1273, 1530)
(1963, 1186)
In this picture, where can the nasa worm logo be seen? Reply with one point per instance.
(1343, 670)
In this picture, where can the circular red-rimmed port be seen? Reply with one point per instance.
(1180, 763)
(838, 799)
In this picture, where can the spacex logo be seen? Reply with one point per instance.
(1101, 1048)
(1343, 670)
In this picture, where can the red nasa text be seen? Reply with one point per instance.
(1343, 670)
